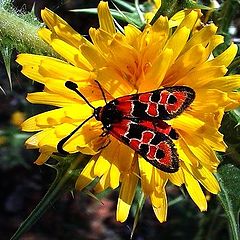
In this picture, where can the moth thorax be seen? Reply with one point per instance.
(109, 114)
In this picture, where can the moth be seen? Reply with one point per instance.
(138, 120)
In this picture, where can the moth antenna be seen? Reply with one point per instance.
(73, 86)
(101, 89)
(65, 139)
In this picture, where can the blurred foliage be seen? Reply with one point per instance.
(80, 216)
(228, 175)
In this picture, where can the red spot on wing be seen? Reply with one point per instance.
(145, 97)
(164, 97)
(119, 129)
(181, 98)
(167, 159)
(147, 136)
(152, 152)
(158, 125)
(166, 148)
(152, 109)
(135, 143)
(125, 107)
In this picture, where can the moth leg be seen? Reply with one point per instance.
(104, 132)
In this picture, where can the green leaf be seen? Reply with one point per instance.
(6, 54)
(229, 180)
(127, 5)
(67, 173)
(230, 127)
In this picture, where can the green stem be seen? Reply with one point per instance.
(140, 204)
(17, 33)
(233, 227)
(57, 188)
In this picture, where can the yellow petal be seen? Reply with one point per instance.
(177, 178)
(189, 20)
(235, 97)
(104, 161)
(202, 151)
(155, 36)
(184, 64)
(91, 53)
(62, 28)
(205, 177)
(161, 211)
(156, 73)
(114, 83)
(40, 68)
(132, 33)
(226, 83)
(43, 157)
(197, 127)
(146, 173)
(224, 58)
(194, 190)
(215, 40)
(201, 37)
(86, 176)
(61, 70)
(87, 88)
(66, 50)
(126, 195)
(159, 178)
(105, 18)
(177, 18)
(200, 76)
(180, 37)
(187, 123)
(125, 159)
(101, 40)
(185, 154)
(114, 176)
(41, 139)
(55, 117)
(215, 99)
(85, 140)
(50, 99)
(216, 141)
(120, 50)
(71, 54)
(25, 59)
(33, 141)
(158, 196)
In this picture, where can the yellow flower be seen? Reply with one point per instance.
(126, 63)
(17, 118)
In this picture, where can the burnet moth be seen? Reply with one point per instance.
(137, 120)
